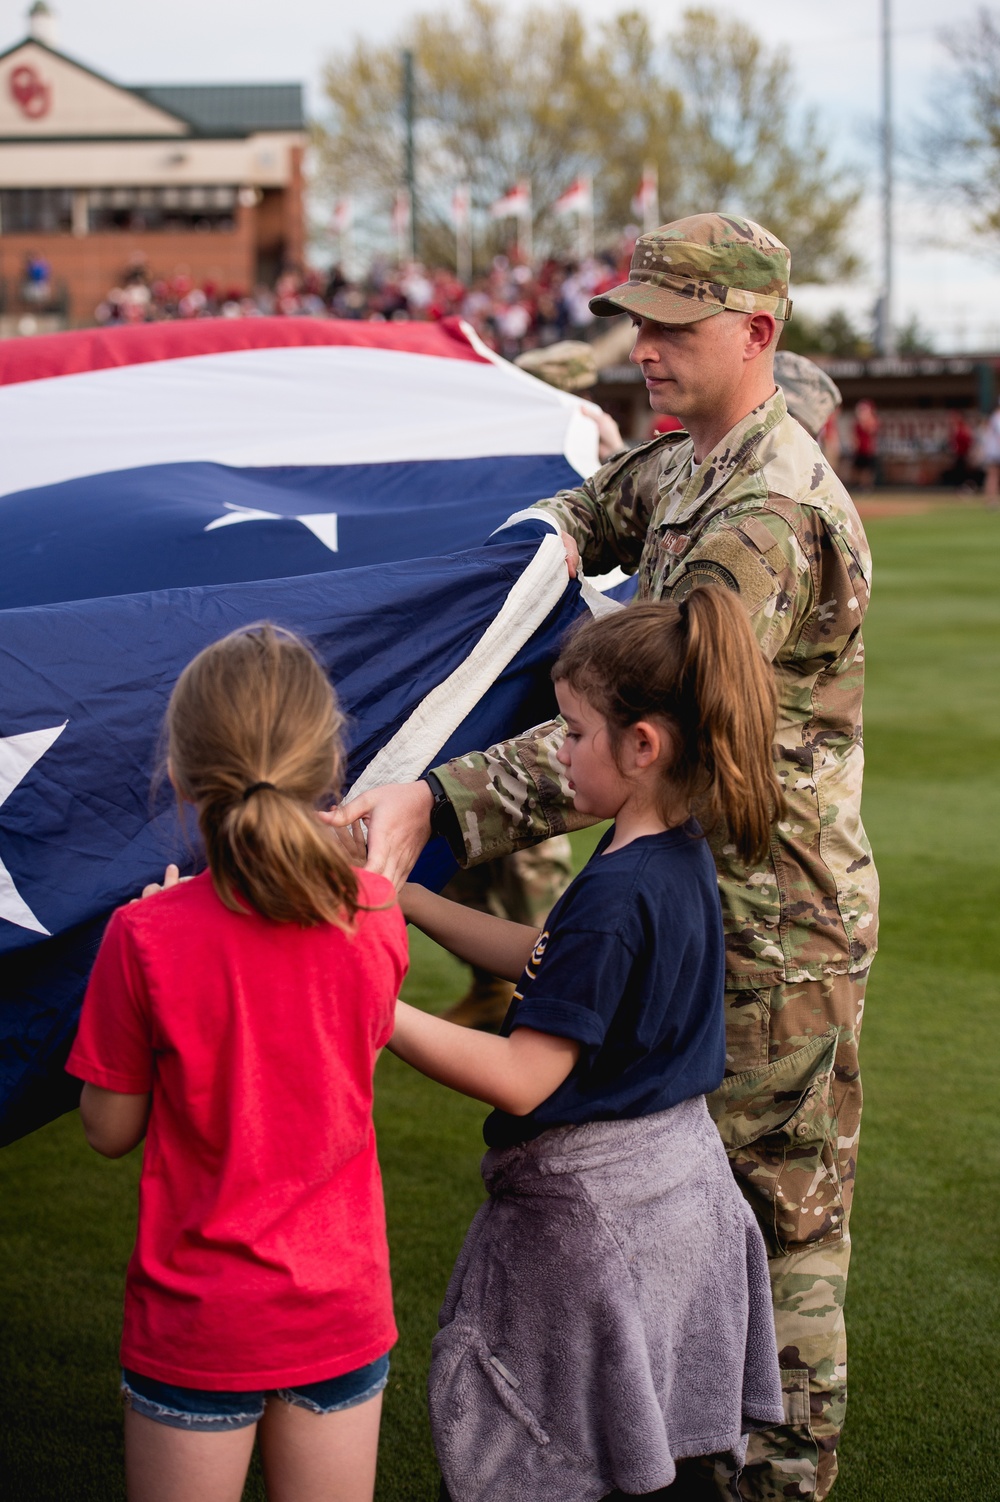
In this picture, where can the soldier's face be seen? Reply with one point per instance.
(692, 370)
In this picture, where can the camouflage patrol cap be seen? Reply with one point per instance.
(697, 266)
(568, 365)
(810, 394)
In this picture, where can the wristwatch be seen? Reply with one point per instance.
(444, 819)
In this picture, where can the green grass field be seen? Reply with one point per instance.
(924, 1306)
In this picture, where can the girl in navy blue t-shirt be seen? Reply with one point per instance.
(641, 1275)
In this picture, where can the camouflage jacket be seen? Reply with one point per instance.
(765, 515)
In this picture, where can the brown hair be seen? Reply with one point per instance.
(698, 665)
(253, 738)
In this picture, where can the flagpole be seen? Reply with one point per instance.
(586, 220)
(525, 245)
(884, 331)
(409, 110)
(651, 205)
(463, 252)
(462, 213)
(402, 216)
(343, 217)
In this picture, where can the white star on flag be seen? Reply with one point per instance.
(322, 524)
(18, 754)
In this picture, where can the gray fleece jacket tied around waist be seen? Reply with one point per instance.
(609, 1315)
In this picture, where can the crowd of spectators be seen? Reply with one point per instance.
(513, 307)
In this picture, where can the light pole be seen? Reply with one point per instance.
(884, 336)
(408, 113)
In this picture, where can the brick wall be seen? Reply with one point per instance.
(91, 264)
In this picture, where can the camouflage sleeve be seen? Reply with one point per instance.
(511, 796)
(609, 514)
(803, 578)
(760, 556)
(778, 556)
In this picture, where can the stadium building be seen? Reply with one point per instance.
(198, 181)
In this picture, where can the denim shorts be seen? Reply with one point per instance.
(208, 1412)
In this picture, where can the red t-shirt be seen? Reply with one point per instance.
(261, 1258)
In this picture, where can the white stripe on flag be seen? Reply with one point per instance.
(312, 405)
(437, 717)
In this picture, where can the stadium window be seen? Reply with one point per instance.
(162, 209)
(50, 210)
(34, 211)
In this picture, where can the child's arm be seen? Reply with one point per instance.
(494, 944)
(514, 1074)
(113, 1123)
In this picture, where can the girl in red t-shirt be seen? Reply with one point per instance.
(234, 1020)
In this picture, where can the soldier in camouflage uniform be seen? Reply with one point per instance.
(810, 395)
(760, 513)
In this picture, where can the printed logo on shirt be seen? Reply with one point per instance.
(534, 960)
(536, 954)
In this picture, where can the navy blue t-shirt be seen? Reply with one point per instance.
(631, 964)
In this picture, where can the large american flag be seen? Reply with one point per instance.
(162, 485)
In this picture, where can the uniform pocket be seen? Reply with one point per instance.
(778, 1124)
(784, 1461)
(747, 1025)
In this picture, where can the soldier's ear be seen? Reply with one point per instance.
(762, 330)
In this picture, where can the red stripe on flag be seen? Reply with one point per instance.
(38, 357)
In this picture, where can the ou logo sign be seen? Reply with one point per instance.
(29, 92)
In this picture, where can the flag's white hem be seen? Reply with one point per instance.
(420, 738)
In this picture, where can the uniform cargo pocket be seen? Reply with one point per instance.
(784, 1461)
(779, 1126)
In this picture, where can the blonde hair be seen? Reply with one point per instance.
(698, 665)
(253, 740)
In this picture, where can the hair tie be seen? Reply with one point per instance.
(682, 612)
(255, 787)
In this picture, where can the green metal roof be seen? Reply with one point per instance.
(230, 109)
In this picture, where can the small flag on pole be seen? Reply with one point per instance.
(577, 199)
(646, 204)
(515, 204)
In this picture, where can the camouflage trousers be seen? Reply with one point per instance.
(789, 1112)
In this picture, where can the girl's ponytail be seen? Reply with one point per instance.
(254, 740)
(732, 687)
(698, 665)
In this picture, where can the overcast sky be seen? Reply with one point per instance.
(833, 44)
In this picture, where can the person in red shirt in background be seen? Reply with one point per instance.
(233, 1020)
(865, 445)
(960, 440)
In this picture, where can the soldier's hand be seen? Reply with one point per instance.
(572, 554)
(398, 816)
